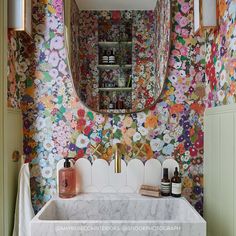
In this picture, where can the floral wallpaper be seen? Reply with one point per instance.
(56, 124)
(162, 37)
(20, 67)
(74, 17)
(221, 57)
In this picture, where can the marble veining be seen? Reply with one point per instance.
(118, 214)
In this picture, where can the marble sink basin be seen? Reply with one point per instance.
(117, 215)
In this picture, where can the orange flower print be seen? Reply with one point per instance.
(149, 152)
(199, 108)
(177, 108)
(222, 7)
(232, 88)
(151, 121)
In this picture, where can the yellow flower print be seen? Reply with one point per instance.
(187, 182)
(130, 132)
(127, 140)
(128, 121)
(47, 101)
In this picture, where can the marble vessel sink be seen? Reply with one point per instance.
(116, 215)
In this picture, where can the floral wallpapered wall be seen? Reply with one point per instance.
(20, 67)
(162, 45)
(221, 57)
(74, 17)
(57, 125)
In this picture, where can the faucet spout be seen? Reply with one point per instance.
(117, 159)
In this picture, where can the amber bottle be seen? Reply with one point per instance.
(176, 185)
(165, 183)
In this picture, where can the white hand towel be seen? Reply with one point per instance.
(24, 211)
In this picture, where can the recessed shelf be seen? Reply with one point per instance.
(107, 43)
(123, 89)
(125, 110)
(107, 66)
(117, 42)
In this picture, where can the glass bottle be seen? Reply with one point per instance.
(176, 185)
(105, 57)
(67, 180)
(165, 183)
(112, 58)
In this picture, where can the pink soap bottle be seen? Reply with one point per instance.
(67, 180)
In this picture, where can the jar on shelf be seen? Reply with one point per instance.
(121, 80)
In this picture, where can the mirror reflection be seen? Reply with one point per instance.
(119, 57)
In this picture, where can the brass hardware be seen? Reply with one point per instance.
(15, 156)
(117, 159)
(97, 150)
(139, 149)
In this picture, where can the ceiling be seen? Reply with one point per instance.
(116, 4)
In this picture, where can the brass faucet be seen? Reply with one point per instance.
(117, 158)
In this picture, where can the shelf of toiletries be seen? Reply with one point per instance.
(113, 44)
(117, 78)
(115, 55)
(115, 65)
(115, 89)
(115, 100)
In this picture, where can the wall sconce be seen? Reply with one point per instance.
(19, 15)
(205, 14)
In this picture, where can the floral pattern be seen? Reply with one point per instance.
(20, 67)
(57, 125)
(221, 57)
(74, 19)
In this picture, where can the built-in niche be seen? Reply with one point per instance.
(115, 64)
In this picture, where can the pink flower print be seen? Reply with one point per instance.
(185, 33)
(57, 2)
(185, 7)
(184, 51)
(177, 29)
(171, 61)
(178, 17)
(183, 21)
(175, 52)
(192, 71)
(199, 76)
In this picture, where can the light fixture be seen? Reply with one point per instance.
(19, 15)
(205, 14)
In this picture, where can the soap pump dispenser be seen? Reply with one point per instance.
(67, 180)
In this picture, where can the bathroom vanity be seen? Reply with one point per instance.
(95, 214)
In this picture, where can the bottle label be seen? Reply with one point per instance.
(176, 188)
(165, 187)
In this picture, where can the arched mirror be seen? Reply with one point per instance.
(119, 52)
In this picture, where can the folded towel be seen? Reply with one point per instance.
(24, 211)
(148, 190)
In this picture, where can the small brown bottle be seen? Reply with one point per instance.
(165, 183)
(176, 184)
(67, 180)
